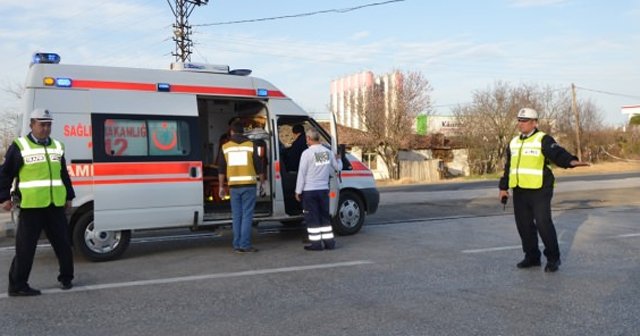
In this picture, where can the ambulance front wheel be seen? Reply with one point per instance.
(350, 215)
(99, 245)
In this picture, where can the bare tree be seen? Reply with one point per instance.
(495, 110)
(387, 111)
(9, 117)
(488, 123)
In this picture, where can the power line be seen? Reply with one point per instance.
(609, 93)
(326, 11)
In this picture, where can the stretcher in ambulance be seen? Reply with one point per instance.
(141, 147)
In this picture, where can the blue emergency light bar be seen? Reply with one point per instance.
(63, 82)
(262, 92)
(163, 87)
(47, 58)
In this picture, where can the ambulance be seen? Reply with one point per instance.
(142, 144)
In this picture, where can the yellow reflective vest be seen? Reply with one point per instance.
(240, 168)
(40, 181)
(526, 168)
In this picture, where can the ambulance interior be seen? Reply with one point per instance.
(217, 114)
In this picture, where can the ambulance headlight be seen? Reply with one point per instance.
(49, 58)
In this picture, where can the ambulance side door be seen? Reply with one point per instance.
(147, 167)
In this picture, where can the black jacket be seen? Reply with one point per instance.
(552, 152)
(293, 153)
(13, 161)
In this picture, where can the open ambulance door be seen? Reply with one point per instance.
(334, 180)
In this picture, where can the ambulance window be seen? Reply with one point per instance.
(168, 137)
(125, 137)
(136, 137)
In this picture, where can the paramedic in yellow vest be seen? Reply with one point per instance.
(37, 163)
(241, 166)
(528, 173)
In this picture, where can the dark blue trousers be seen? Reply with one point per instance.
(315, 205)
(31, 223)
(532, 209)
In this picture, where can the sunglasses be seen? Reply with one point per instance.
(523, 120)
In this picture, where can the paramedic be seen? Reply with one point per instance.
(44, 186)
(240, 164)
(317, 165)
(528, 173)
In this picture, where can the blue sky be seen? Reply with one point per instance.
(460, 46)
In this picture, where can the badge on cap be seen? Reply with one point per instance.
(41, 114)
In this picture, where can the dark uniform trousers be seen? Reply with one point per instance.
(532, 208)
(316, 215)
(31, 223)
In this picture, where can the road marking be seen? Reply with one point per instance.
(492, 249)
(628, 235)
(499, 248)
(202, 277)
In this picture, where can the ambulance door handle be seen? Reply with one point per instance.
(193, 172)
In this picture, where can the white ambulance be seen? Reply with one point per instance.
(142, 146)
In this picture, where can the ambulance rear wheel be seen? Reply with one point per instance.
(350, 215)
(99, 245)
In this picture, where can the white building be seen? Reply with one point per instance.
(353, 87)
(631, 110)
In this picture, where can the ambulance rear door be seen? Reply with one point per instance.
(147, 160)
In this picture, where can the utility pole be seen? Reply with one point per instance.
(181, 28)
(574, 107)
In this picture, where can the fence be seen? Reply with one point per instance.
(422, 171)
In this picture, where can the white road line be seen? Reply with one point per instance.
(499, 248)
(202, 277)
(13, 248)
(628, 235)
(492, 249)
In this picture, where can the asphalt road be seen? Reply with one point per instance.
(429, 263)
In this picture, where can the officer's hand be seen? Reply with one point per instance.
(503, 193)
(222, 193)
(298, 198)
(7, 205)
(576, 163)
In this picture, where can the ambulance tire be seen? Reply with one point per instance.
(98, 245)
(350, 215)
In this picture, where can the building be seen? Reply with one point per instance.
(345, 91)
(417, 160)
(432, 124)
(631, 110)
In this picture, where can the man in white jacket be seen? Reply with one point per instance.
(317, 165)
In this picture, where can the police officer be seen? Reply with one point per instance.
(44, 186)
(528, 173)
(317, 164)
(240, 165)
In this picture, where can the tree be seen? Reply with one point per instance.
(387, 111)
(489, 123)
(9, 117)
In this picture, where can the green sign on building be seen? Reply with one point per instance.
(421, 124)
